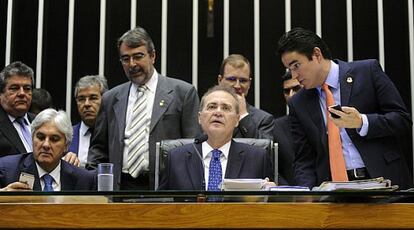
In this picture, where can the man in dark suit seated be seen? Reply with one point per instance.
(16, 84)
(254, 122)
(358, 140)
(88, 95)
(204, 165)
(52, 134)
(283, 135)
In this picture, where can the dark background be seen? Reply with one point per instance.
(210, 49)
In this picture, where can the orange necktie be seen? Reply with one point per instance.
(336, 158)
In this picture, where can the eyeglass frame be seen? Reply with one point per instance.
(136, 57)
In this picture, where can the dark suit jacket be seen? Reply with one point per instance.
(283, 136)
(10, 142)
(258, 124)
(74, 146)
(185, 171)
(72, 177)
(174, 115)
(372, 93)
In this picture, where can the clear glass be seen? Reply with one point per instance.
(105, 177)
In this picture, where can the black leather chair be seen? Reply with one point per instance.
(165, 146)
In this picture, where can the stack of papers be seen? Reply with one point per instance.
(243, 184)
(379, 183)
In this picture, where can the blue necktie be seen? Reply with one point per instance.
(25, 131)
(48, 179)
(215, 173)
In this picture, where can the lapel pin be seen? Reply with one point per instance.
(349, 80)
(162, 103)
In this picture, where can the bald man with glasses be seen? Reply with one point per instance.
(253, 122)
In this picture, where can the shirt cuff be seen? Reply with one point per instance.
(363, 131)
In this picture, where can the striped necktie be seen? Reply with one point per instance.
(336, 157)
(138, 128)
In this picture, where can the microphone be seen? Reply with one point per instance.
(198, 140)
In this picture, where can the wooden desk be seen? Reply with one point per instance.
(89, 212)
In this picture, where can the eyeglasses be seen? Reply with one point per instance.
(294, 88)
(125, 60)
(241, 80)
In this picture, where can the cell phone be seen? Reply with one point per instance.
(336, 107)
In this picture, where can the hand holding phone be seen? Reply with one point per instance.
(336, 107)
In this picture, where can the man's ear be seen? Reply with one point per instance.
(219, 79)
(317, 53)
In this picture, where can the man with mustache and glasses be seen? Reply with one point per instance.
(253, 123)
(137, 114)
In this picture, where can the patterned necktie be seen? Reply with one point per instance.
(336, 157)
(215, 173)
(25, 131)
(48, 179)
(138, 145)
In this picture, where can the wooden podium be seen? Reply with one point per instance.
(75, 212)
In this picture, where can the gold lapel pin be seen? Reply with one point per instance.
(349, 80)
(162, 102)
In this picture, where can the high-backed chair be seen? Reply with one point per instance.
(165, 146)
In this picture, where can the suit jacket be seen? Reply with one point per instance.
(258, 124)
(174, 116)
(71, 177)
(74, 146)
(283, 136)
(10, 142)
(185, 170)
(366, 87)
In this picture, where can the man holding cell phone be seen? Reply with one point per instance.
(44, 169)
(347, 122)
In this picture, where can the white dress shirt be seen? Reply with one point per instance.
(55, 173)
(207, 154)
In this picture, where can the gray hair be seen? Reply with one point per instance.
(135, 38)
(60, 118)
(228, 90)
(13, 69)
(91, 80)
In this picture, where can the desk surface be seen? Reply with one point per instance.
(98, 212)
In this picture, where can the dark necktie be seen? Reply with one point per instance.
(336, 157)
(48, 179)
(215, 172)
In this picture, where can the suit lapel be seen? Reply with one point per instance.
(195, 168)
(163, 98)
(235, 161)
(346, 82)
(314, 110)
(10, 132)
(120, 108)
(29, 166)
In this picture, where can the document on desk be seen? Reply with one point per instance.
(283, 188)
(243, 184)
(375, 184)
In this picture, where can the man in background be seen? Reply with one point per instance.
(88, 95)
(135, 115)
(41, 100)
(16, 85)
(253, 123)
(283, 135)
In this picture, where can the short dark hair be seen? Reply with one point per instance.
(13, 69)
(41, 100)
(135, 38)
(228, 90)
(287, 76)
(302, 41)
(91, 80)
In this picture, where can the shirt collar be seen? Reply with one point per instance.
(332, 80)
(55, 173)
(12, 119)
(207, 149)
(83, 129)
